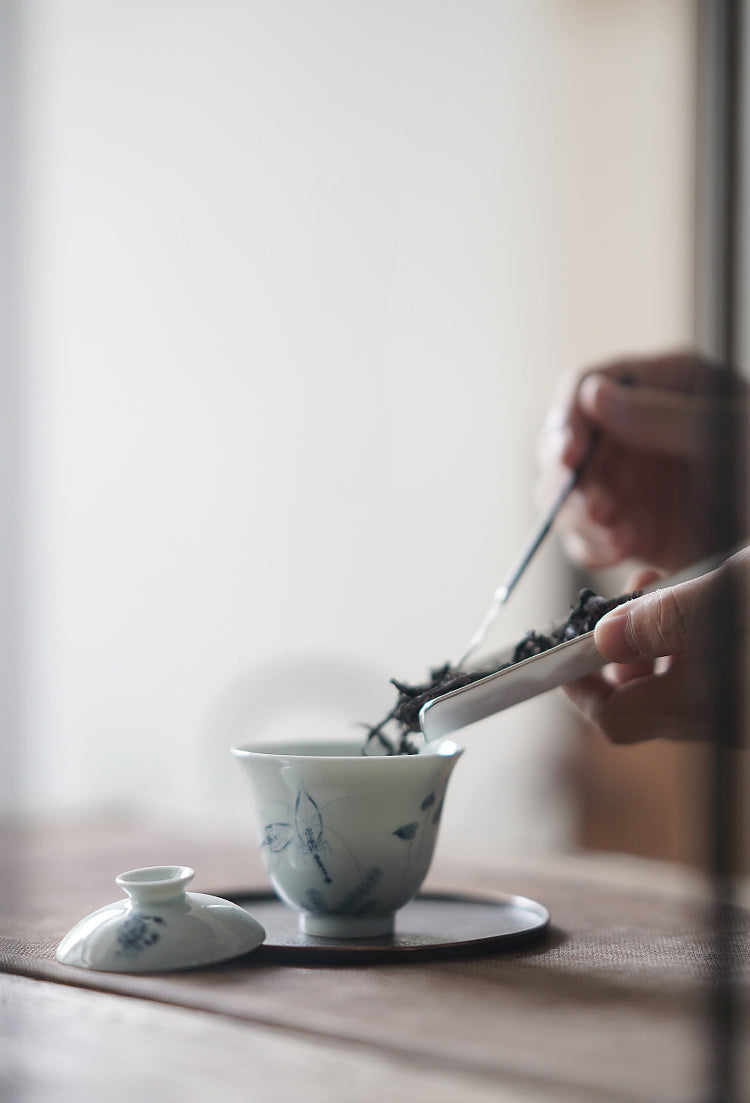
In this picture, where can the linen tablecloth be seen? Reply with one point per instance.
(614, 1003)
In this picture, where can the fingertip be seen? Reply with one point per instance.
(589, 693)
(572, 451)
(606, 400)
(559, 442)
(578, 430)
(621, 674)
(613, 637)
(589, 391)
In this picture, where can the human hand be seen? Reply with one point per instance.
(658, 685)
(645, 493)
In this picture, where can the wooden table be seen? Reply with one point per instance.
(612, 1005)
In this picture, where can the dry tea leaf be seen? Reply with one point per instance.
(403, 719)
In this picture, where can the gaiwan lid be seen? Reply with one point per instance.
(160, 926)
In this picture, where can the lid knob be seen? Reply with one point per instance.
(154, 884)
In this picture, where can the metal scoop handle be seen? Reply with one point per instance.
(527, 552)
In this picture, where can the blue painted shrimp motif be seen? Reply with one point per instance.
(307, 832)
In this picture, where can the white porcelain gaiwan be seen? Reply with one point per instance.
(347, 839)
(160, 926)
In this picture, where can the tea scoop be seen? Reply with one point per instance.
(160, 926)
(515, 682)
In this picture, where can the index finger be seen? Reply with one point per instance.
(568, 417)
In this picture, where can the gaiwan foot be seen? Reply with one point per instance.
(347, 838)
(342, 926)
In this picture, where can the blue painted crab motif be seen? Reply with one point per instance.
(306, 831)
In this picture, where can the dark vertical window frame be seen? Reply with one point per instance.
(719, 321)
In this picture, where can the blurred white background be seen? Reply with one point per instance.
(296, 282)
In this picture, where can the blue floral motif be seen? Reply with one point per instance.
(408, 832)
(358, 902)
(136, 932)
(316, 903)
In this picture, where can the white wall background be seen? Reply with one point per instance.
(298, 279)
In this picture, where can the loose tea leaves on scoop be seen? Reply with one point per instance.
(404, 716)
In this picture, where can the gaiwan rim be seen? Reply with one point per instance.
(337, 750)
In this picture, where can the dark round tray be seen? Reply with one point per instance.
(432, 925)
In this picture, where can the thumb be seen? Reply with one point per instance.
(666, 622)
